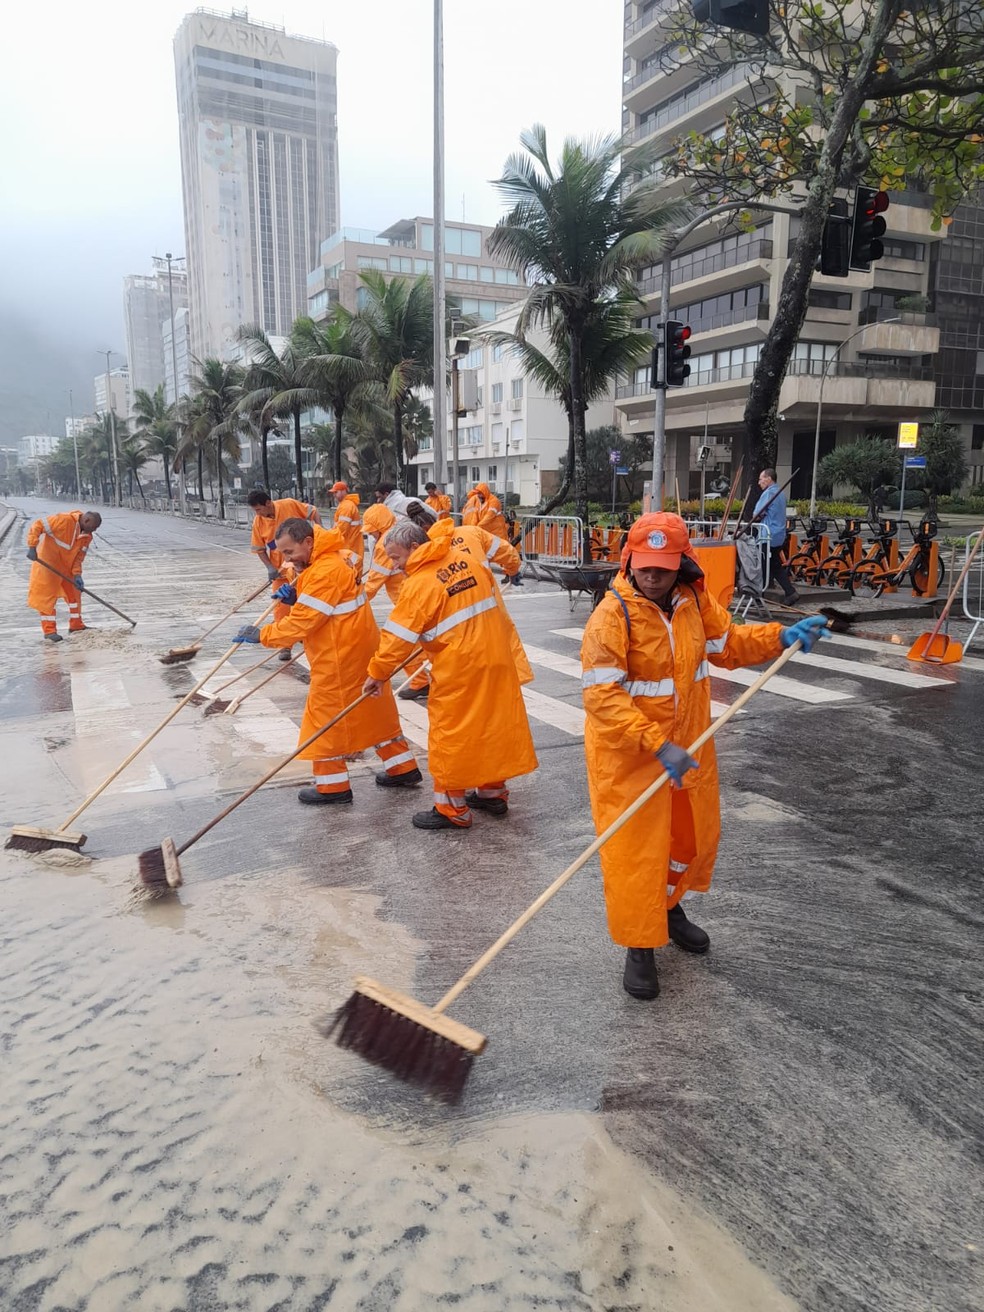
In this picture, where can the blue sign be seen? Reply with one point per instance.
(614, 457)
(915, 462)
(621, 469)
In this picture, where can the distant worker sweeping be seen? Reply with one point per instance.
(268, 515)
(646, 688)
(60, 542)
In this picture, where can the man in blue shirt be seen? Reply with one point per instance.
(770, 510)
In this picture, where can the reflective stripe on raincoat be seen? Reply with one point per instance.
(646, 682)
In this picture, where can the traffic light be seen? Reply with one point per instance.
(741, 15)
(869, 227)
(835, 243)
(675, 338)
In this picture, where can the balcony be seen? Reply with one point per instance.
(682, 106)
(689, 270)
(864, 389)
(914, 334)
(727, 318)
(669, 66)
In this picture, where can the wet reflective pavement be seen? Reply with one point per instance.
(795, 1123)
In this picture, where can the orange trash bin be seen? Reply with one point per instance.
(719, 561)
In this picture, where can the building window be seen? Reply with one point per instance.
(516, 388)
(423, 266)
(371, 262)
(821, 299)
(476, 474)
(518, 430)
(496, 388)
(904, 250)
(497, 353)
(498, 430)
(977, 438)
(508, 276)
(493, 473)
(400, 264)
(480, 398)
(486, 274)
(474, 358)
(468, 272)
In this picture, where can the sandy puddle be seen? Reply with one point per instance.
(164, 1144)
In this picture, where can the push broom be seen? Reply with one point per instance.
(88, 592)
(422, 1045)
(230, 708)
(27, 838)
(212, 702)
(179, 654)
(159, 868)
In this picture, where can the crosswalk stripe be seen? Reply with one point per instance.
(552, 660)
(413, 718)
(865, 670)
(550, 710)
(780, 686)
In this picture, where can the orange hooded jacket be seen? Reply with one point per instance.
(440, 503)
(264, 531)
(645, 683)
(448, 604)
(377, 522)
(60, 542)
(348, 522)
(484, 510)
(333, 620)
(499, 551)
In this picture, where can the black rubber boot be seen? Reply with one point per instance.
(433, 819)
(639, 977)
(408, 780)
(285, 654)
(53, 637)
(313, 798)
(415, 694)
(493, 805)
(684, 934)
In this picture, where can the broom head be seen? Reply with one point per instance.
(216, 706)
(411, 1041)
(159, 868)
(25, 838)
(178, 654)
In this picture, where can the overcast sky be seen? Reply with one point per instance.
(91, 182)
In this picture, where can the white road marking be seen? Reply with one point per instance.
(781, 686)
(549, 710)
(865, 670)
(413, 718)
(553, 660)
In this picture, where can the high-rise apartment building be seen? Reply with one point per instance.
(259, 166)
(725, 284)
(179, 357)
(146, 313)
(112, 392)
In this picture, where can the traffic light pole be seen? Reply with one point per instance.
(659, 383)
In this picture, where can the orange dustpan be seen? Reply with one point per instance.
(939, 648)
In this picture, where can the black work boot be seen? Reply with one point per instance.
(313, 798)
(493, 805)
(684, 934)
(408, 780)
(435, 819)
(409, 694)
(286, 654)
(640, 978)
(53, 637)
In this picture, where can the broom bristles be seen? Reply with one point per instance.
(216, 706)
(158, 868)
(37, 840)
(418, 1046)
(178, 654)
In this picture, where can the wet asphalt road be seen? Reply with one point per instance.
(813, 1085)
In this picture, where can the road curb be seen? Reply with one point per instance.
(8, 522)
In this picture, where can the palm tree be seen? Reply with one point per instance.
(97, 442)
(394, 330)
(579, 233)
(157, 426)
(214, 419)
(276, 387)
(334, 367)
(612, 347)
(133, 457)
(418, 425)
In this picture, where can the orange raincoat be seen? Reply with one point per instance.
(377, 522)
(333, 620)
(484, 510)
(263, 533)
(60, 542)
(440, 503)
(646, 682)
(348, 521)
(478, 725)
(499, 551)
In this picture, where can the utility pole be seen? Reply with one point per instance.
(440, 347)
(75, 444)
(117, 485)
(174, 373)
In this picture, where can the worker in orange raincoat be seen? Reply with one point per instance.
(60, 541)
(348, 520)
(268, 515)
(438, 501)
(377, 521)
(329, 613)
(483, 509)
(646, 654)
(479, 734)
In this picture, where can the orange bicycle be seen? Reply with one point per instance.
(804, 564)
(871, 577)
(835, 570)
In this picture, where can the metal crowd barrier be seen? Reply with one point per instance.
(552, 540)
(973, 593)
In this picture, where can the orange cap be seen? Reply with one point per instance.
(339, 487)
(658, 539)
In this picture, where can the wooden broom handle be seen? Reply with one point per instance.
(235, 705)
(88, 592)
(613, 828)
(229, 613)
(248, 670)
(723, 526)
(153, 734)
(286, 761)
(956, 587)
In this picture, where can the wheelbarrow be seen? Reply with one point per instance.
(593, 580)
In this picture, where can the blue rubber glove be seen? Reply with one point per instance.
(32, 553)
(676, 761)
(272, 572)
(79, 582)
(806, 631)
(272, 545)
(286, 593)
(248, 633)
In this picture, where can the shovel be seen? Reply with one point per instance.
(939, 648)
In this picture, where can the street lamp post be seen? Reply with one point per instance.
(75, 444)
(440, 356)
(117, 485)
(823, 378)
